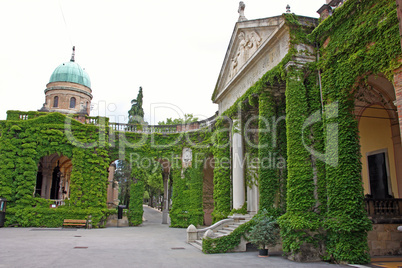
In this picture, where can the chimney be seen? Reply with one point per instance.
(325, 11)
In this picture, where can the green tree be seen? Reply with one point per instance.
(136, 113)
(122, 176)
(154, 186)
(188, 118)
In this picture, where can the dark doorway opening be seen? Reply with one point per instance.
(378, 175)
(54, 193)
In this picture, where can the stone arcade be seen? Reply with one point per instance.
(322, 119)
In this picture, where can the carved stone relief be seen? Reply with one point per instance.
(269, 60)
(187, 157)
(248, 44)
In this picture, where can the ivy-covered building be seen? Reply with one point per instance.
(308, 128)
(314, 108)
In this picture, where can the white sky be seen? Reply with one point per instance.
(173, 49)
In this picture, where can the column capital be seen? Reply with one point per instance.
(299, 62)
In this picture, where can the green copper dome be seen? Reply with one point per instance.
(70, 72)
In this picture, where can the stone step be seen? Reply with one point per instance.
(246, 216)
(223, 231)
(198, 242)
(226, 230)
(196, 245)
(231, 229)
(219, 235)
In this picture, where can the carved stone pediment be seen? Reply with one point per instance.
(247, 44)
(256, 46)
(260, 42)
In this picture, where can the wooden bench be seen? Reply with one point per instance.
(75, 223)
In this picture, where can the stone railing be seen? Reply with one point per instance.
(19, 115)
(164, 129)
(196, 234)
(147, 129)
(384, 210)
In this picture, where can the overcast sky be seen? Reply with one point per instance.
(173, 49)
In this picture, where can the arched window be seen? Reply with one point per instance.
(56, 102)
(72, 102)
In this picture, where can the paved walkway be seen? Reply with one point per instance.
(149, 245)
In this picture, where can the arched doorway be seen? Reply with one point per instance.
(379, 139)
(378, 156)
(53, 178)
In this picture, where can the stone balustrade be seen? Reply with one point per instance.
(384, 210)
(123, 127)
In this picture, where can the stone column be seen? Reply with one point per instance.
(398, 94)
(252, 199)
(110, 189)
(238, 166)
(165, 212)
(46, 181)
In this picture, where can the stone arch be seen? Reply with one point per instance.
(379, 138)
(53, 177)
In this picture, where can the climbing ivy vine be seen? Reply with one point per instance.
(91, 149)
(360, 39)
(222, 182)
(187, 197)
(24, 143)
(136, 211)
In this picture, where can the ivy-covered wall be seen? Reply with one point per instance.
(323, 192)
(142, 150)
(360, 39)
(136, 211)
(222, 177)
(24, 142)
(187, 197)
(324, 188)
(91, 149)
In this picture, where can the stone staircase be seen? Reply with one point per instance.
(219, 229)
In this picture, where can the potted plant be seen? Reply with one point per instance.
(264, 233)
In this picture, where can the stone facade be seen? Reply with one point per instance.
(384, 240)
(64, 91)
(256, 47)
